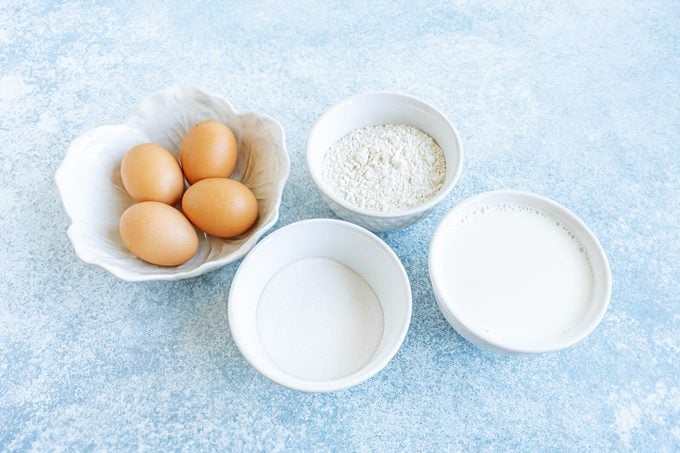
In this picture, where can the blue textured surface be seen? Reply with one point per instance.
(578, 103)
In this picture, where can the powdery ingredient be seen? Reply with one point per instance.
(386, 168)
(319, 320)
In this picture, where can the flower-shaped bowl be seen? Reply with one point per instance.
(92, 192)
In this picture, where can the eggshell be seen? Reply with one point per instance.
(220, 207)
(209, 150)
(158, 233)
(151, 173)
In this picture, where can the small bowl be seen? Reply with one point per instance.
(361, 251)
(550, 339)
(94, 198)
(372, 109)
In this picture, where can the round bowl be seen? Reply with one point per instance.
(372, 109)
(93, 195)
(538, 334)
(346, 243)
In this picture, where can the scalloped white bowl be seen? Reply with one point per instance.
(93, 196)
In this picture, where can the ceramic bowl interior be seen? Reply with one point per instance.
(346, 243)
(586, 321)
(374, 109)
(92, 191)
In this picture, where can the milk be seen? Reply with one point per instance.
(517, 274)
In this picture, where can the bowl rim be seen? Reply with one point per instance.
(133, 276)
(478, 335)
(282, 378)
(432, 202)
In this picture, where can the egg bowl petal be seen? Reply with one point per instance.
(92, 192)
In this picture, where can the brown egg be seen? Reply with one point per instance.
(221, 207)
(209, 150)
(151, 173)
(158, 233)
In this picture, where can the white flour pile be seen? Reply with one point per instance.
(387, 168)
(319, 320)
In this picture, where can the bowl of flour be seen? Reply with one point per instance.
(320, 305)
(384, 160)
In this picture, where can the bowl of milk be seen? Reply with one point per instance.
(515, 272)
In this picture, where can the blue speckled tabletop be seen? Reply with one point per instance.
(578, 101)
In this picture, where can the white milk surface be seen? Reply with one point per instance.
(516, 274)
(319, 320)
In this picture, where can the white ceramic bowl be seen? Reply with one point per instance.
(94, 198)
(584, 323)
(346, 243)
(373, 109)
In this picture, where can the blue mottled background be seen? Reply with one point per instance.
(578, 101)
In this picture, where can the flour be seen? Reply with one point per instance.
(392, 167)
(319, 320)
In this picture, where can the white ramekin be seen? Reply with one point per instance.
(349, 244)
(372, 109)
(475, 333)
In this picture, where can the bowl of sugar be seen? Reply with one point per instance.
(320, 305)
(517, 273)
(384, 160)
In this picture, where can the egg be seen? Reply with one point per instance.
(158, 233)
(209, 150)
(151, 173)
(220, 207)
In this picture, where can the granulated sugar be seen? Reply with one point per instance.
(386, 168)
(319, 320)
